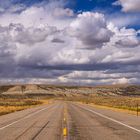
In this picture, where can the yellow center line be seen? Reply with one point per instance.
(65, 124)
(64, 131)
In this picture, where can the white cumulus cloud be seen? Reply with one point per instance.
(91, 29)
(129, 5)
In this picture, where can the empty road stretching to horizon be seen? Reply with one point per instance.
(69, 121)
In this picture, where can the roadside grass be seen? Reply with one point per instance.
(11, 103)
(9, 109)
(120, 102)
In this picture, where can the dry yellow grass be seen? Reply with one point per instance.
(115, 109)
(124, 110)
(9, 109)
(119, 103)
(12, 105)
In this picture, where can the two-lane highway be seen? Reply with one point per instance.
(39, 123)
(82, 122)
(89, 123)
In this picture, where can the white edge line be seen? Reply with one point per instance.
(101, 115)
(28, 116)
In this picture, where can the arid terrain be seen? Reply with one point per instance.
(69, 112)
(117, 96)
(112, 90)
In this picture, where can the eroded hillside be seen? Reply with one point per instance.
(50, 90)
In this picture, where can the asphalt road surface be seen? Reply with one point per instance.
(81, 122)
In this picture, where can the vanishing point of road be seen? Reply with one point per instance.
(69, 121)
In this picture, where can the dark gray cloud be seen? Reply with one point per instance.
(57, 40)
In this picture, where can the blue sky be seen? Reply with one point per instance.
(89, 5)
(86, 42)
(77, 4)
(104, 6)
